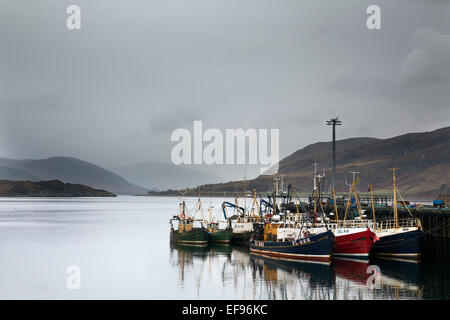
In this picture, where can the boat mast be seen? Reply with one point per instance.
(296, 204)
(210, 213)
(395, 199)
(353, 191)
(335, 207)
(254, 204)
(275, 197)
(245, 193)
(315, 187)
(396, 191)
(183, 205)
(199, 206)
(237, 205)
(373, 207)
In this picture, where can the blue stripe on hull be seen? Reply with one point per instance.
(407, 243)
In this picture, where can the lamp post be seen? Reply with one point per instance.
(334, 122)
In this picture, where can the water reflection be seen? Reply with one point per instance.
(259, 277)
(400, 279)
(293, 280)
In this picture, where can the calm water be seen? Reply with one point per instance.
(122, 248)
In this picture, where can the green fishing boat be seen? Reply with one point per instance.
(217, 235)
(187, 234)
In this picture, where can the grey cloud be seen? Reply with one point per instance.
(428, 62)
(113, 92)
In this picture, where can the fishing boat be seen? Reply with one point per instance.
(290, 239)
(217, 235)
(186, 233)
(354, 242)
(354, 238)
(242, 228)
(399, 238)
(304, 246)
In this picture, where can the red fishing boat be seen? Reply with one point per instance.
(353, 242)
(353, 238)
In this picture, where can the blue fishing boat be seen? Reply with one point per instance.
(402, 242)
(401, 238)
(316, 247)
(291, 240)
(301, 244)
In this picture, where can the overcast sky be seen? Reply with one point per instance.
(113, 92)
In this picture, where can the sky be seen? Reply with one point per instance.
(113, 92)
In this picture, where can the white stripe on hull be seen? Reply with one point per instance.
(351, 254)
(292, 254)
(293, 260)
(192, 241)
(398, 254)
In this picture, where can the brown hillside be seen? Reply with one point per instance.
(423, 160)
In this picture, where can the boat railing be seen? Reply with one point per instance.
(402, 223)
(333, 224)
(380, 224)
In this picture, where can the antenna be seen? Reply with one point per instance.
(321, 176)
(315, 176)
(354, 173)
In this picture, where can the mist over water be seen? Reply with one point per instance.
(122, 248)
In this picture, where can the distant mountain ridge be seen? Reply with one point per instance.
(53, 188)
(162, 176)
(423, 161)
(14, 175)
(68, 170)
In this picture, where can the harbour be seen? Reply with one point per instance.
(123, 249)
(217, 157)
(347, 238)
(283, 227)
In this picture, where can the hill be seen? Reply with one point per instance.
(423, 160)
(66, 169)
(162, 176)
(15, 175)
(53, 188)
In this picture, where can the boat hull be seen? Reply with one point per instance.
(354, 243)
(314, 248)
(221, 236)
(401, 244)
(241, 237)
(196, 236)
